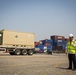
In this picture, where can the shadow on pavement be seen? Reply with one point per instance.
(62, 68)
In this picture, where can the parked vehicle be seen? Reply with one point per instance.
(45, 46)
(17, 43)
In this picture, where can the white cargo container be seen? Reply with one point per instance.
(17, 42)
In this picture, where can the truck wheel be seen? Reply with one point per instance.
(24, 52)
(30, 52)
(49, 53)
(11, 53)
(17, 52)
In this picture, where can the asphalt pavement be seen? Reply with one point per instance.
(37, 64)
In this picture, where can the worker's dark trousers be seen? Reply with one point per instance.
(72, 61)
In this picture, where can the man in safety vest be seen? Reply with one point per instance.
(71, 49)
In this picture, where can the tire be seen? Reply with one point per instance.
(49, 53)
(24, 52)
(17, 52)
(11, 53)
(30, 52)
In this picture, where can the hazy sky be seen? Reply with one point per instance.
(42, 17)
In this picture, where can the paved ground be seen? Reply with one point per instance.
(38, 64)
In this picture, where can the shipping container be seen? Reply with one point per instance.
(57, 37)
(59, 45)
(66, 39)
(37, 43)
(47, 42)
(17, 42)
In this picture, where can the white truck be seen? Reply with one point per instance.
(17, 43)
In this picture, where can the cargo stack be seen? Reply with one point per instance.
(44, 45)
(47, 42)
(36, 43)
(59, 43)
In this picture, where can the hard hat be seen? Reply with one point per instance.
(70, 35)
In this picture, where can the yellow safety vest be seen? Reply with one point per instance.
(71, 48)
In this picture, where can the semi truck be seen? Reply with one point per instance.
(45, 46)
(17, 43)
